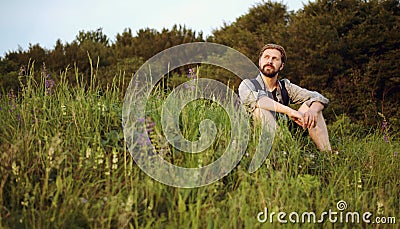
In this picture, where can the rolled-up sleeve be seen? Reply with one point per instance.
(249, 95)
(300, 95)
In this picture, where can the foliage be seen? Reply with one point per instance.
(348, 49)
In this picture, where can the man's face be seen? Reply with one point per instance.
(270, 63)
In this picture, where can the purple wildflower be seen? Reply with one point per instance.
(19, 118)
(385, 137)
(12, 97)
(48, 82)
(49, 85)
(140, 139)
(384, 124)
(192, 74)
(395, 153)
(143, 140)
(189, 86)
(148, 141)
(385, 129)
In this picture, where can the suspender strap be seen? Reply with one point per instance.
(285, 95)
(256, 84)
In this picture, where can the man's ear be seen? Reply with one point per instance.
(282, 65)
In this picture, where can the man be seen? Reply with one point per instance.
(266, 94)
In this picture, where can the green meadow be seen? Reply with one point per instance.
(65, 164)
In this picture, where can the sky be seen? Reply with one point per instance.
(24, 22)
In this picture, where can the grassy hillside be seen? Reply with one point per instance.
(64, 164)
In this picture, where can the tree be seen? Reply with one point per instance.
(348, 49)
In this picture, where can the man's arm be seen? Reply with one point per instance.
(259, 99)
(267, 103)
(311, 116)
(299, 95)
(314, 100)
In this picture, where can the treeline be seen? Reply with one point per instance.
(126, 54)
(347, 49)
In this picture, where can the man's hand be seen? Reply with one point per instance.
(311, 115)
(297, 117)
(310, 119)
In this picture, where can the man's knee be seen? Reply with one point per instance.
(304, 108)
(264, 116)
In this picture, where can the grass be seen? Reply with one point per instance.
(64, 164)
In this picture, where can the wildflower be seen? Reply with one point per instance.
(359, 183)
(12, 97)
(15, 171)
(192, 74)
(114, 159)
(101, 107)
(129, 203)
(83, 200)
(150, 125)
(100, 156)
(88, 152)
(384, 124)
(385, 137)
(63, 109)
(380, 207)
(395, 154)
(19, 118)
(384, 128)
(142, 140)
(189, 86)
(49, 85)
(22, 70)
(23, 203)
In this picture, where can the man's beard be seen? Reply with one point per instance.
(270, 73)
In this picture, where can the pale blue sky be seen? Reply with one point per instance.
(44, 21)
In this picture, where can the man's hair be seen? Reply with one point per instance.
(277, 47)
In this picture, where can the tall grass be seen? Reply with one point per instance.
(64, 165)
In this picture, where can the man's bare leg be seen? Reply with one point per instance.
(319, 134)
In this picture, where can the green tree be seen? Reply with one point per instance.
(348, 48)
(264, 23)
